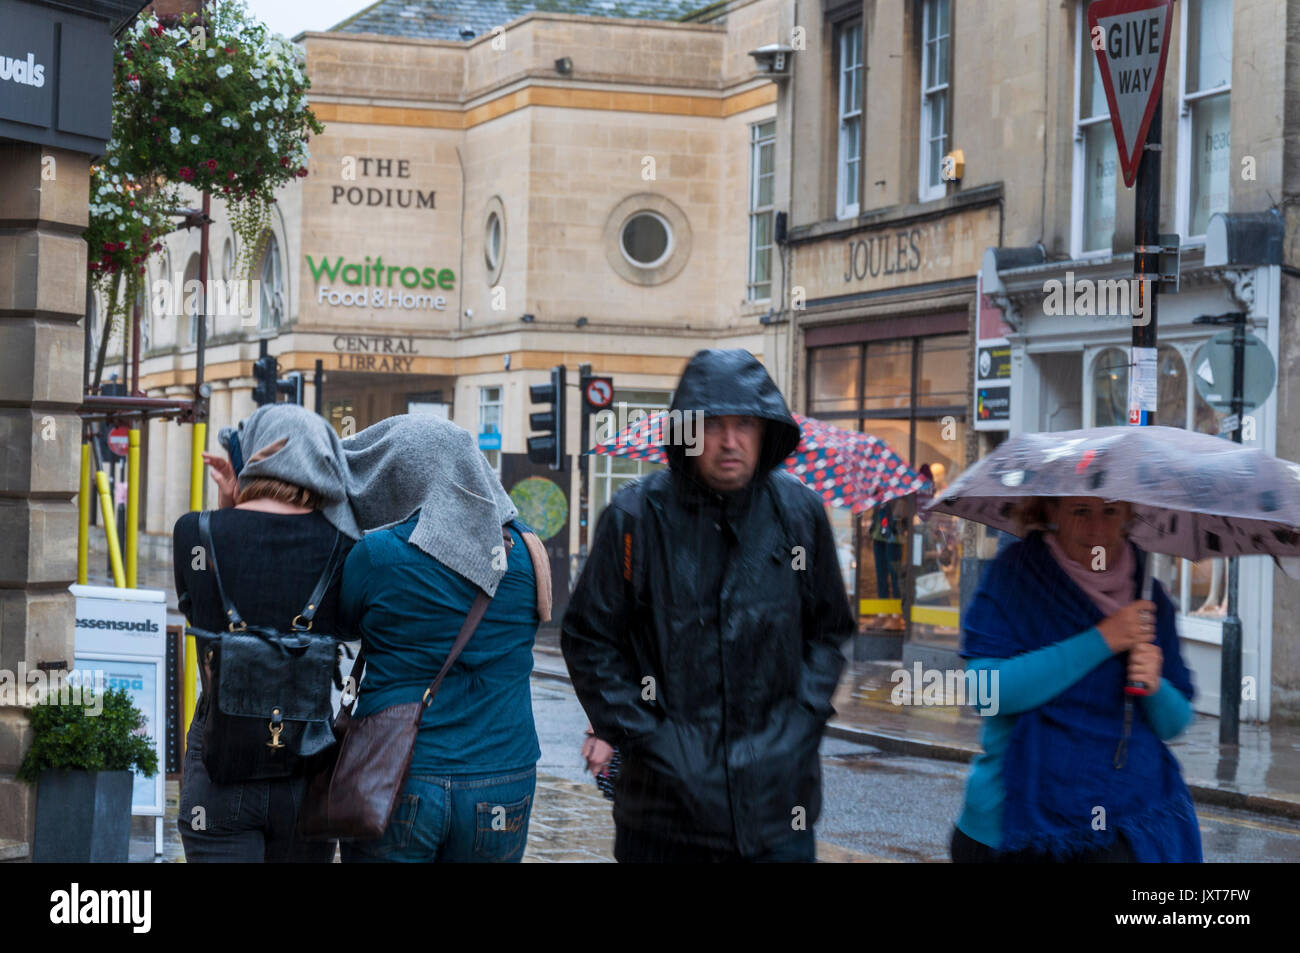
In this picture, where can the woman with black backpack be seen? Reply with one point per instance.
(271, 563)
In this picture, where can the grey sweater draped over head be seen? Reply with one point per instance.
(380, 476)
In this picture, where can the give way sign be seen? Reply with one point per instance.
(1131, 40)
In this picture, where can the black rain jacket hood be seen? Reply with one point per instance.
(721, 382)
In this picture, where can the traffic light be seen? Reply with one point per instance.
(292, 387)
(548, 447)
(265, 371)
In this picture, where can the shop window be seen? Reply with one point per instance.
(762, 179)
(911, 393)
(1205, 89)
(489, 420)
(1095, 157)
(935, 96)
(834, 374)
(611, 474)
(1191, 586)
(272, 289)
(849, 156)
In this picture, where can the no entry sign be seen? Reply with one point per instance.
(1131, 40)
(117, 441)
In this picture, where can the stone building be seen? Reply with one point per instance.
(496, 194)
(885, 254)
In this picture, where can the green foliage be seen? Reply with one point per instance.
(73, 738)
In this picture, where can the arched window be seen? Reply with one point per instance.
(272, 287)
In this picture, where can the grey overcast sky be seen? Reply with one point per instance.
(291, 17)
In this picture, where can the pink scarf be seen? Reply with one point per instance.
(1110, 589)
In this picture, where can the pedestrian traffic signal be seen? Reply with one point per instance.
(266, 370)
(548, 446)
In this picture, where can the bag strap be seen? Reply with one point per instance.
(332, 566)
(235, 620)
(476, 610)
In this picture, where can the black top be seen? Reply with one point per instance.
(270, 563)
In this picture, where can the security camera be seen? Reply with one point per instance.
(773, 58)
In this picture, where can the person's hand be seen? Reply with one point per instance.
(1145, 663)
(598, 754)
(1130, 626)
(223, 474)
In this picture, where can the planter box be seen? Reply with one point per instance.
(83, 817)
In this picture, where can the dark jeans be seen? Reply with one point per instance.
(250, 822)
(966, 850)
(449, 820)
(636, 847)
(887, 558)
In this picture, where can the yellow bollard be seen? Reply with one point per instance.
(110, 529)
(83, 518)
(132, 507)
(191, 669)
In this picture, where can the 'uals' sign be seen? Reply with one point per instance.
(25, 71)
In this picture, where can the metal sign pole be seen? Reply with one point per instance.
(1146, 268)
(1230, 657)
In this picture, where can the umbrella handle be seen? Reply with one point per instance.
(1140, 688)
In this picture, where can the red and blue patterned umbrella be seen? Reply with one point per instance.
(845, 467)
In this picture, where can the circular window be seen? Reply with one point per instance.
(494, 239)
(646, 240)
(492, 242)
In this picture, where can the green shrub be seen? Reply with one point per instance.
(68, 737)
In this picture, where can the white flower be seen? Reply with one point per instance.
(270, 141)
(212, 51)
(207, 107)
(257, 127)
(224, 71)
(234, 123)
(113, 161)
(261, 84)
(225, 121)
(194, 140)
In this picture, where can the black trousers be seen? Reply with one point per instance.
(966, 850)
(637, 847)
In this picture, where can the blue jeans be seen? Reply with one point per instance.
(449, 820)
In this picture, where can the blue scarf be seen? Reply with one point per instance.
(1058, 771)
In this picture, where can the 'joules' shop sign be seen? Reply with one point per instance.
(374, 284)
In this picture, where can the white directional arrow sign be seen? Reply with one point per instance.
(1131, 40)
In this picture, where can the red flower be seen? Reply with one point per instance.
(185, 172)
(230, 50)
(156, 31)
(145, 45)
(284, 160)
(212, 165)
(231, 175)
(301, 173)
(157, 246)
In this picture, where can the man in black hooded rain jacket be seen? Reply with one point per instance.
(704, 635)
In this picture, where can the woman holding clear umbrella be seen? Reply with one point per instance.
(1073, 770)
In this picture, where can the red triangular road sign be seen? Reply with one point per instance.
(1131, 40)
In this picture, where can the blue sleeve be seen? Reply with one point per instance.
(1168, 711)
(352, 594)
(1034, 678)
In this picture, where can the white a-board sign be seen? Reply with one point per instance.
(121, 642)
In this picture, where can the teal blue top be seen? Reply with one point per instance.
(408, 609)
(1025, 682)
